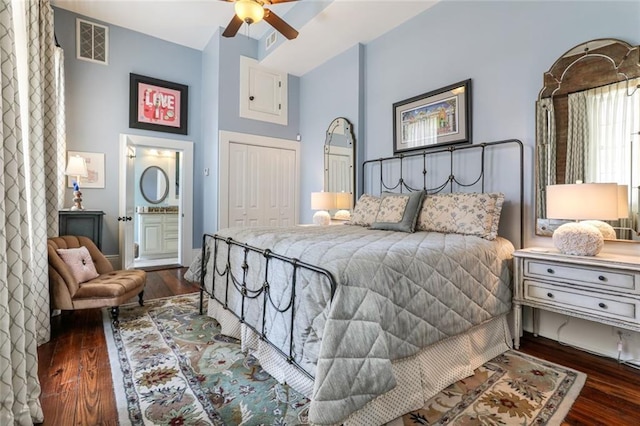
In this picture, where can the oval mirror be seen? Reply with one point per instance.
(154, 184)
(588, 128)
(339, 157)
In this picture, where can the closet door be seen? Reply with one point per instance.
(262, 182)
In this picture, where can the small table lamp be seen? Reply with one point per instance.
(590, 201)
(77, 167)
(322, 201)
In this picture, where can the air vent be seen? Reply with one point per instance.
(92, 42)
(271, 39)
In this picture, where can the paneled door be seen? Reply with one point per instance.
(261, 186)
(259, 179)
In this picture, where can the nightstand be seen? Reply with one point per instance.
(86, 223)
(603, 288)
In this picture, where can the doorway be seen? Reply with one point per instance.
(156, 199)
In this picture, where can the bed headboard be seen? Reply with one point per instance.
(482, 167)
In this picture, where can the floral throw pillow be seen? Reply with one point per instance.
(364, 214)
(80, 262)
(462, 213)
(398, 212)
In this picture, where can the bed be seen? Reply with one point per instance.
(370, 323)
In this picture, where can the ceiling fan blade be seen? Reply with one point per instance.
(276, 22)
(233, 27)
(279, 1)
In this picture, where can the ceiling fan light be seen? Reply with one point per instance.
(249, 11)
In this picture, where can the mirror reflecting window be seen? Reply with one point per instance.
(339, 157)
(588, 127)
(154, 184)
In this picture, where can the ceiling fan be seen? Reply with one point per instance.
(252, 11)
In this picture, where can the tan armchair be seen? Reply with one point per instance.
(111, 288)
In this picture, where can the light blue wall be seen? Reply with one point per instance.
(503, 46)
(97, 101)
(331, 90)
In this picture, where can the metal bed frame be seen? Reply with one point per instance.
(231, 282)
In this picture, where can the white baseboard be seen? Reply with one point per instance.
(115, 260)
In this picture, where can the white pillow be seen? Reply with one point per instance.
(80, 262)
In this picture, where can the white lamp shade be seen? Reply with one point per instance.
(623, 201)
(76, 166)
(323, 200)
(249, 11)
(343, 200)
(583, 201)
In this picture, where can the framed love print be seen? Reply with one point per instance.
(158, 105)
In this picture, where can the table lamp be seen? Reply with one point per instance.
(584, 201)
(76, 167)
(322, 202)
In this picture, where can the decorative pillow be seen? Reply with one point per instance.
(462, 213)
(80, 263)
(398, 212)
(364, 214)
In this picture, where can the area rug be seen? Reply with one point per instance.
(171, 366)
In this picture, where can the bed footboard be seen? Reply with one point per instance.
(219, 272)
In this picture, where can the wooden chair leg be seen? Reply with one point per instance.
(140, 301)
(115, 310)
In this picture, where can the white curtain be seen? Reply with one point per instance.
(29, 136)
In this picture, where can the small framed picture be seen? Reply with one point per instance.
(157, 105)
(95, 169)
(440, 117)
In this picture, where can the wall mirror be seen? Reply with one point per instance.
(588, 127)
(154, 184)
(339, 157)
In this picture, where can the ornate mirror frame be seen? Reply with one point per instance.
(593, 64)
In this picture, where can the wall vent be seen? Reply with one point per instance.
(92, 42)
(271, 39)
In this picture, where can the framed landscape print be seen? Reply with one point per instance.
(157, 105)
(440, 117)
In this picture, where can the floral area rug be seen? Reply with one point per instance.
(171, 366)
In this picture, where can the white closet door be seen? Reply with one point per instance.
(261, 186)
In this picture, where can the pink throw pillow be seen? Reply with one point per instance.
(80, 262)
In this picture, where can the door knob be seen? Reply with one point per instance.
(124, 218)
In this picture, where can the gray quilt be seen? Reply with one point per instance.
(397, 293)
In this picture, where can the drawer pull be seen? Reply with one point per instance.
(602, 305)
(550, 295)
(602, 278)
(551, 271)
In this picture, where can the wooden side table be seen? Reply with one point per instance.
(603, 288)
(85, 223)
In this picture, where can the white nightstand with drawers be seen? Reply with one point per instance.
(603, 288)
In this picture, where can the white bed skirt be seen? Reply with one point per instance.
(440, 365)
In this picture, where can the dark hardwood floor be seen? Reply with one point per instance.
(77, 389)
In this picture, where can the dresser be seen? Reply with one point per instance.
(85, 223)
(603, 288)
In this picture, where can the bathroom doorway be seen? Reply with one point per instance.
(156, 198)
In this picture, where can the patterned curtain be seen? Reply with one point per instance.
(546, 153)
(28, 131)
(577, 138)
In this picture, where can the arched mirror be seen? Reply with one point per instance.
(588, 128)
(339, 166)
(154, 184)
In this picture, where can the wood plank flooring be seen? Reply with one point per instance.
(77, 389)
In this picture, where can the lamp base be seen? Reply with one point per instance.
(578, 239)
(77, 201)
(322, 218)
(342, 215)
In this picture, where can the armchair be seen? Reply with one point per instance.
(109, 289)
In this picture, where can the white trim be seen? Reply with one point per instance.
(225, 138)
(186, 184)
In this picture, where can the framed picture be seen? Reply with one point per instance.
(440, 117)
(157, 105)
(95, 169)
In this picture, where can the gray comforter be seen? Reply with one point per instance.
(397, 293)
